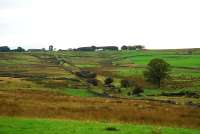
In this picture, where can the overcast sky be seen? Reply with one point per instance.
(74, 23)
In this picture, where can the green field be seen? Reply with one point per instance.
(172, 57)
(47, 126)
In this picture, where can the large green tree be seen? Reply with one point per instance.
(156, 71)
(19, 49)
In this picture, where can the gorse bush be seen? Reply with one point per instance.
(111, 129)
(93, 81)
(86, 74)
(108, 80)
(137, 90)
(125, 83)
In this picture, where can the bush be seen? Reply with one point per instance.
(124, 47)
(180, 93)
(111, 129)
(125, 83)
(137, 90)
(93, 81)
(108, 80)
(129, 93)
(86, 74)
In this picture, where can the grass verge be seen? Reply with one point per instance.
(10, 125)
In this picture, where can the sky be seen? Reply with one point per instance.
(156, 24)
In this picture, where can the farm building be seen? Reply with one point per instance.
(93, 48)
(36, 50)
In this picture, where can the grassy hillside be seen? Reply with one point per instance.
(56, 71)
(46, 85)
(36, 126)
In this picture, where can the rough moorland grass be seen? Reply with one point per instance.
(185, 73)
(175, 72)
(46, 126)
(125, 71)
(87, 65)
(43, 104)
(8, 83)
(157, 91)
(78, 92)
(17, 58)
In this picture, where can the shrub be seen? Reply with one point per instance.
(86, 74)
(108, 80)
(125, 83)
(137, 90)
(124, 47)
(111, 129)
(129, 93)
(93, 81)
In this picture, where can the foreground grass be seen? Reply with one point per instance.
(10, 125)
(44, 104)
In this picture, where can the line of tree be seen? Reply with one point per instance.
(7, 49)
(94, 48)
(135, 47)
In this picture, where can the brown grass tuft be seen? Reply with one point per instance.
(45, 104)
